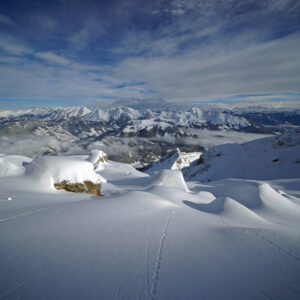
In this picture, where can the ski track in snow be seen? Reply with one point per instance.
(147, 269)
(127, 287)
(136, 276)
(38, 210)
(144, 265)
(240, 274)
(21, 284)
(159, 256)
(151, 291)
(24, 214)
(258, 232)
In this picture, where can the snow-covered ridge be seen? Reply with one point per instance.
(193, 116)
(264, 159)
(196, 116)
(174, 161)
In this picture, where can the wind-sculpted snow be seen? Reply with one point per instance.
(13, 165)
(149, 237)
(170, 179)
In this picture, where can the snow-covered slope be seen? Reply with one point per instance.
(262, 159)
(148, 237)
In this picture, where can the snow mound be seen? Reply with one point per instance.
(263, 159)
(171, 179)
(235, 212)
(204, 196)
(240, 200)
(50, 170)
(276, 203)
(13, 165)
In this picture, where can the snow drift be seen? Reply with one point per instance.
(13, 165)
(69, 173)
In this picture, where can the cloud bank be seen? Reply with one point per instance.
(176, 50)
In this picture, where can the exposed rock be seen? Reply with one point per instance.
(85, 187)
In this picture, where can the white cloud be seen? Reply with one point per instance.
(283, 5)
(214, 71)
(178, 12)
(27, 145)
(91, 28)
(76, 82)
(220, 70)
(9, 59)
(11, 46)
(52, 58)
(203, 55)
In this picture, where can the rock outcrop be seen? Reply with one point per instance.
(85, 187)
(72, 174)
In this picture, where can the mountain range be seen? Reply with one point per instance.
(131, 135)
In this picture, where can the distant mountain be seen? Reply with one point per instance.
(136, 136)
(128, 116)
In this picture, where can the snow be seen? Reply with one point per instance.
(174, 161)
(112, 114)
(148, 125)
(151, 237)
(197, 116)
(97, 156)
(261, 159)
(181, 118)
(49, 170)
(13, 165)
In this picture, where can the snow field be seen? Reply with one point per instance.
(147, 237)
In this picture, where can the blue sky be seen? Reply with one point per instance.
(91, 52)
